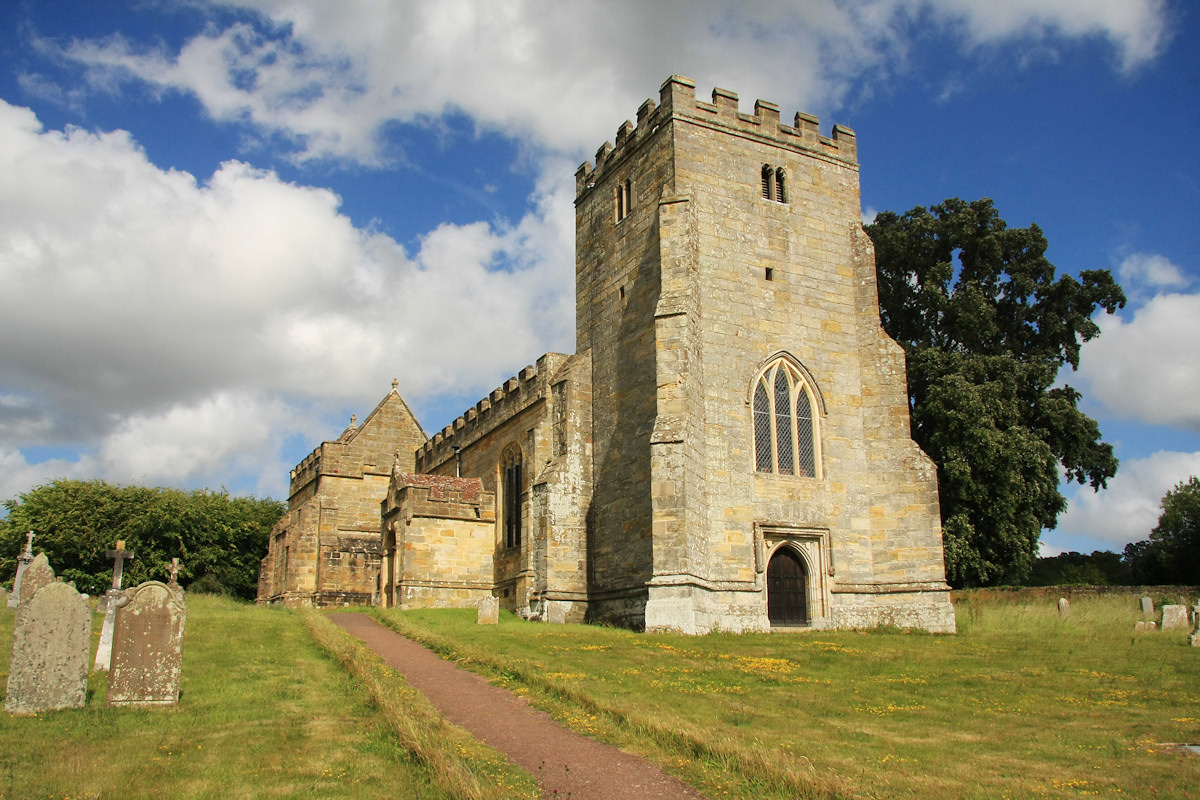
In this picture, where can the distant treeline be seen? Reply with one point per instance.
(218, 539)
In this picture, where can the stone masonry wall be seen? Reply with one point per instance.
(438, 540)
(543, 412)
(737, 280)
(326, 549)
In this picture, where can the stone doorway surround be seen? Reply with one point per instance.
(811, 546)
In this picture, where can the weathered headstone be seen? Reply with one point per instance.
(109, 605)
(489, 611)
(1064, 607)
(23, 562)
(1147, 607)
(38, 574)
(1145, 625)
(51, 637)
(1174, 617)
(1194, 636)
(147, 654)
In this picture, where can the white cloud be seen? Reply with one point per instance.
(1128, 509)
(329, 76)
(164, 321)
(1146, 368)
(1141, 270)
(1138, 29)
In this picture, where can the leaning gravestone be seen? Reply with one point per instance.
(23, 562)
(147, 655)
(1174, 617)
(1147, 607)
(1064, 607)
(109, 606)
(49, 665)
(38, 574)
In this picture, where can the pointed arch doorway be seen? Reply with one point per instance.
(787, 589)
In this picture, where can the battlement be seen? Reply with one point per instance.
(516, 394)
(677, 100)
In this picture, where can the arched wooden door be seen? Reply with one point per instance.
(787, 589)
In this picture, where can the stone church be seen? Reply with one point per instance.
(728, 447)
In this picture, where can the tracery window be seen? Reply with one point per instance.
(510, 492)
(784, 425)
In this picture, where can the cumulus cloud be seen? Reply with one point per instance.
(330, 76)
(175, 323)
(1128, 509)
(1145, 368)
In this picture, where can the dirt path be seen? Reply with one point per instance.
(564, 763)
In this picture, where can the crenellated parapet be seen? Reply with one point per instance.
(677, 100)
(529, 386)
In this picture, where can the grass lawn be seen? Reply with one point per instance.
(266, 712)
(1021, 703)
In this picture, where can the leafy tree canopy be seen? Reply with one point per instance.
(1172, 553)
(986, 326)
(218, 539)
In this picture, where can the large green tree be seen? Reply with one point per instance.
(218, 539)
(1172, 553)
(987, 326)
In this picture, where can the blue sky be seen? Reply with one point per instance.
(226, 227)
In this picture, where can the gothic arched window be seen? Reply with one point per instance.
(774, 183)
(510, 497)
(784, 424)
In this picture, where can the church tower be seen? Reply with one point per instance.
(752, 462)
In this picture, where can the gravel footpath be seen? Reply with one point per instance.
(564, 763)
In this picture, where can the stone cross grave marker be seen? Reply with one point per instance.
(147, 651)
(23, 562)
(119, 555)
(1147, 607)
(38, 574)
(48, 669)
(1174, 617)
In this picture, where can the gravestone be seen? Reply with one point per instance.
(1145, 625)
(1147, 607)
(38, 574)
(1174, 617)
(147, 652)
(51, 637)
(489, 611)
(1064, 607)
(23, 562)
(1194, 636)
(109, 605)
